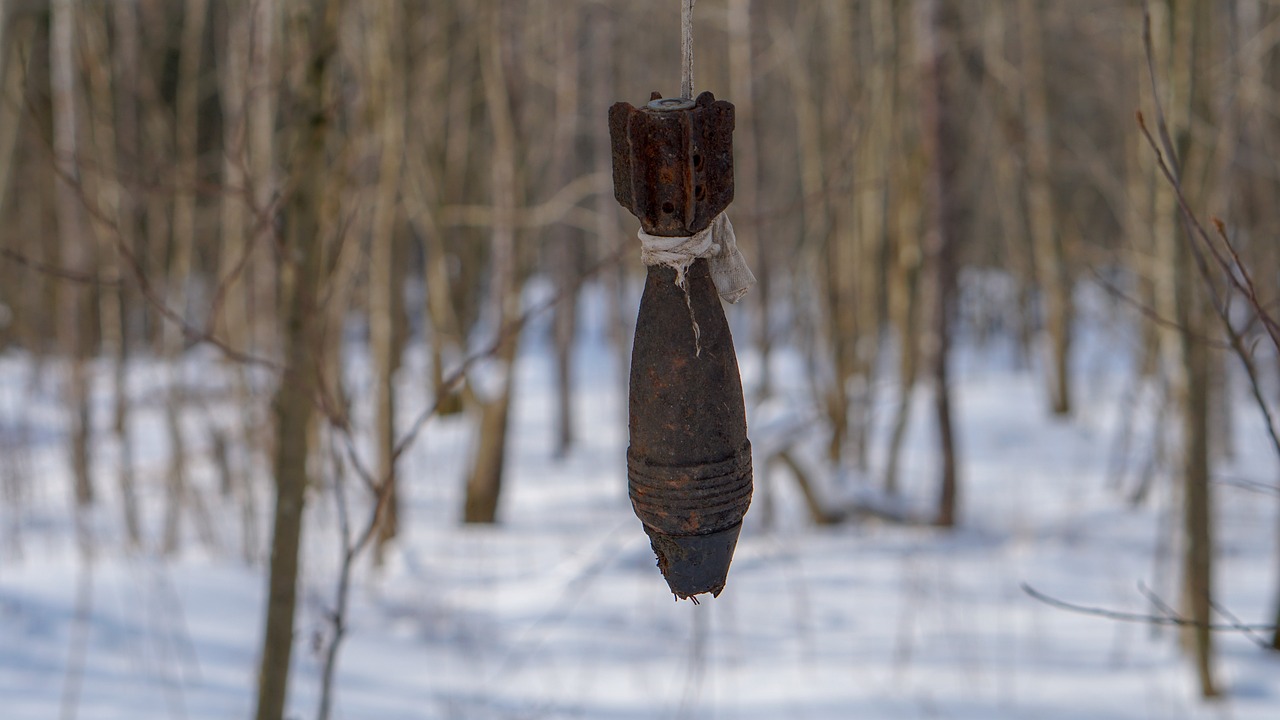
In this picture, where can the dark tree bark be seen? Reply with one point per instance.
(293, 405)
(566, 244)
(485, 481)
(1050, 254)
(936, 37)
(1191, 27)
(73, 300)
(387, 104)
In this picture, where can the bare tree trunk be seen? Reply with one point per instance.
(1050, 251)
(112, 224)
(906, 292)
(1180, 33)
(14, 59)
(235, 259)
(618, 320)
(73, 297)
(125, 17)
(317, 23)
(746, 179)
(1197, 508)
(265, 78)
(1148, 213)
(816, 220)
(35, 222)
(234, 76)
(906, 250)
(352, 195)
(446, 326)
(157, 155)
(842, 257)
(387, 101)
(936, 38)
(1001, 83)
(186, 127)
(871, 183)
(566, 246)
(1192, 27)
(1259, 85)
(485, 481)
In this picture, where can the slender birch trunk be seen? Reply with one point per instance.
(385, 58)
(14, 59)
(1052, 273)
(232, 321)
(113, 229)
(746, 177)
(264, 82)
(1180, 34)
(1192, 27)
(76, 255)
(485, 481)
(842, 252)
(905, 238)
(618, 320)
(872, 148)
(236, 259)
(566, 247)
(186, 129)
(815, 216)
(447, 335)
(936, 47)
(316, 24)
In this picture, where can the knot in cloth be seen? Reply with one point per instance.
(716, 243)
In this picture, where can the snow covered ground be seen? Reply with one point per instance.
(559, 612)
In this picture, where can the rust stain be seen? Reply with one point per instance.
(689, 462)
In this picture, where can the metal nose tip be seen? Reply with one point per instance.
(695, 564)
(671, 104)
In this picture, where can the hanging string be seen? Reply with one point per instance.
(686, 49)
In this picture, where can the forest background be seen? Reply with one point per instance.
(254, 252)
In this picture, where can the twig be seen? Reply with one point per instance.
(1233, 268)
(1250, 485)
(1253, 636)
(1168, 610)
(1156, 601)
(1148, 312)
(1255, 385)
(1242, 282)
(489, 350)
(67, 169)
(382, 487)
(1172, 619)
(338, 617)
(134, 264)
(56, 272)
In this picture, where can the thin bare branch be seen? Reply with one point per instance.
(1144, 618)
(54, 271)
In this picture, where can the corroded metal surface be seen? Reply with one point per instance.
(672, 163)
(689, 462)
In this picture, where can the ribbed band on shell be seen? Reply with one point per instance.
(691, 500)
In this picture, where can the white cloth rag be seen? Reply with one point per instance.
(716, 243)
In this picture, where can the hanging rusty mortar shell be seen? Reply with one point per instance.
(689, 463)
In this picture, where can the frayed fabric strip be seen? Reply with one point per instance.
(716, 243)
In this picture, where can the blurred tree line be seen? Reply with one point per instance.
(274, 178)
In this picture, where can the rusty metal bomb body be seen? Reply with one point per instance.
(689, 462)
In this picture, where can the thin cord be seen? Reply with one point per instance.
(686, 49)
